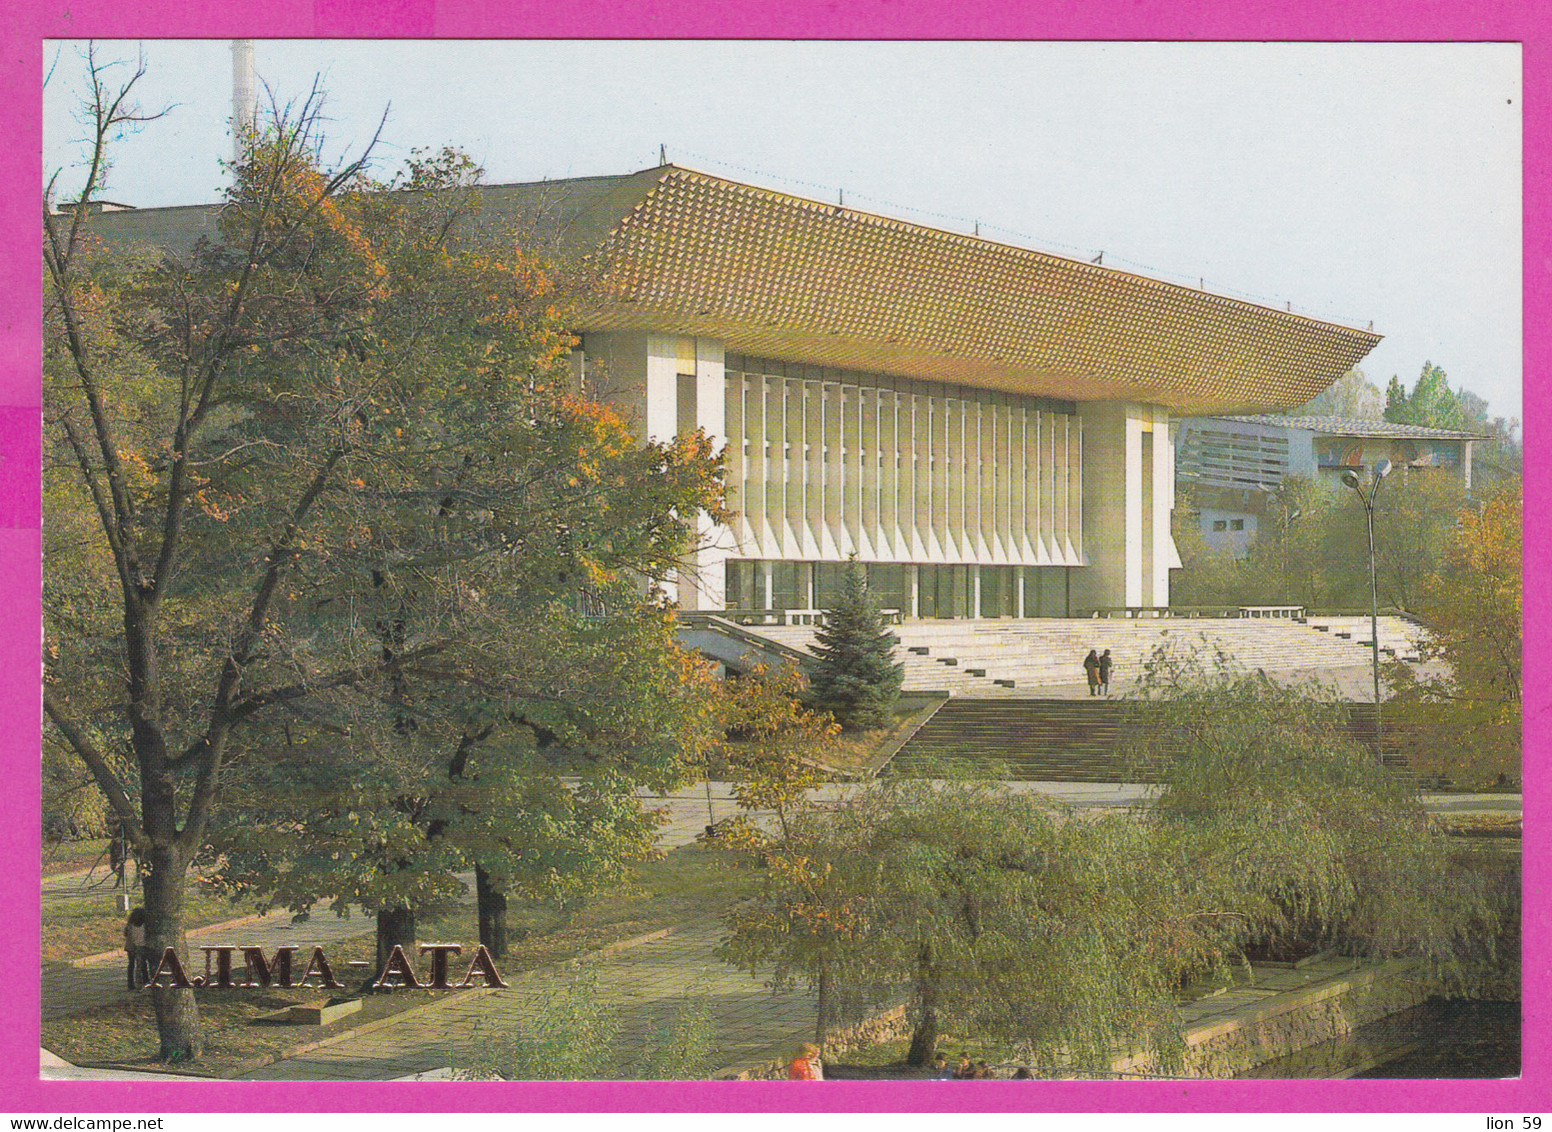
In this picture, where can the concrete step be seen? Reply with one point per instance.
(1060, 740)
(1030, 653)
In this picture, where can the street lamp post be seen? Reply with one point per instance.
(1350, 478)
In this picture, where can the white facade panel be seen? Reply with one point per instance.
(900, 471)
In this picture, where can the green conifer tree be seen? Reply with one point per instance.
(855, 678)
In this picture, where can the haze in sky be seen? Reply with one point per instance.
(1356, 182)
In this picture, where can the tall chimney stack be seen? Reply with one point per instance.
(244, 96)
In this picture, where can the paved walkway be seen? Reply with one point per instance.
(647, 983)
(70, 987)
(96, 881)
(97, 980)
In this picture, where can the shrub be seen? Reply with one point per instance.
(573, 1036)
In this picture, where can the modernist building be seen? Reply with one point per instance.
(1237, 463)
(985, 426)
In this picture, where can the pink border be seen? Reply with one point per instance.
(20, 68)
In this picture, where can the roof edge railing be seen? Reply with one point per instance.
(1288, 612)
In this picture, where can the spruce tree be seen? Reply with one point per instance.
(855, 676)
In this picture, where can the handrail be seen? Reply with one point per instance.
(1384, 611)
(719, 622)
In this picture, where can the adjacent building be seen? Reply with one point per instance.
(1235, 464)
(987, 427)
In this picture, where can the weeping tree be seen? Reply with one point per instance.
(995, 914)
(1310, 841)
(988, 912)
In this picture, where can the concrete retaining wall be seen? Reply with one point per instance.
(1224, 1045)
(1293, 1020)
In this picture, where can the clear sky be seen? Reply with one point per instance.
(1357, 182)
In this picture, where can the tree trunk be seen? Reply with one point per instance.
(395, 926)
(924, 1039)
(177, 1014)
(493, 914)
(822, 1015)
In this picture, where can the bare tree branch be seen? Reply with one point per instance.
(96, 763)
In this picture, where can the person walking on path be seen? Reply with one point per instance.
(806, 1066)
(1091, 666)
(139, 972)
(1105, 664)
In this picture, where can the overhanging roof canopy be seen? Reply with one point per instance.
(773, 274)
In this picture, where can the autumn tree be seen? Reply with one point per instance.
(1309, 548)
(162, 420)
(1414, 521)
(517, 526)
(772, 747)
(292, 442)
(771, 752)
(1465, 722)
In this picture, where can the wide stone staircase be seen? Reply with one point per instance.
(1045, 740)
(1006, 659)
(1398, 636)
(1061, 740)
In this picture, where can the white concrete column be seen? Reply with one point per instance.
(703, 582)
(638, 374)
(1165, 556)
(1113, 506)
(914, 582)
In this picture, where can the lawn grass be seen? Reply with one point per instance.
(69, 856)
(855, 751)
(1492, 825)
(89, 925)
(686, 884)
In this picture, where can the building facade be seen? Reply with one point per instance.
(986, 427)
(1235, 464)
